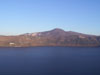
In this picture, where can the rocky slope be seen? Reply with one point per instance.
(55, 37)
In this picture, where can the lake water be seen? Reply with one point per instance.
(50, 61)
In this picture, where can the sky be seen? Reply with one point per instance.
(27, 16)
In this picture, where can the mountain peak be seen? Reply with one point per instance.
(58, 30)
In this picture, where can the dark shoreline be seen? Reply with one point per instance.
(56, 46)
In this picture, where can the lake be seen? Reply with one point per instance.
(50, 61)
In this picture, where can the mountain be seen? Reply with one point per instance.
(55, 37)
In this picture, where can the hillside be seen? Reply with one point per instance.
(55, 37)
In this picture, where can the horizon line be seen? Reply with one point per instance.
(45, 31)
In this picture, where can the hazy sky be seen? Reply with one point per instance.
(23, 16)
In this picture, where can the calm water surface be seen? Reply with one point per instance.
(50, 61)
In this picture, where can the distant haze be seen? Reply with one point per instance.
(27, 16)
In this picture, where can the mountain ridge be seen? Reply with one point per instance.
(61, 30)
